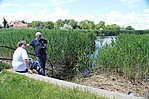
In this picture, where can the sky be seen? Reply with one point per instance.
(124, 13)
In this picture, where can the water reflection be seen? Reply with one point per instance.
(101, 41)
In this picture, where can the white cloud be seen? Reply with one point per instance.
(51, 3)
(42, 15)
(61, 2)
(146, 11)
(131, 3)
(7, 5)
(21, 15)
(59, 13)
(136, 19)
(123, 0)
(86, 17)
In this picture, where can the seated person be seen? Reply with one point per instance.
(21, 62)
(35, 65)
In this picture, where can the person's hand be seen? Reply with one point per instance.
(30, 71)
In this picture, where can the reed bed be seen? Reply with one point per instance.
(128, 56)
(67, 48)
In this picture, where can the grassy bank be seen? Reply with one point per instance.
(15, 86)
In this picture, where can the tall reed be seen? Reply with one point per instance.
(128, 56)
(67, 48)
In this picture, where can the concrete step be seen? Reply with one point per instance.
(105, 93)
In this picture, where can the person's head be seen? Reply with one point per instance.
(38, 35)
(22, 44)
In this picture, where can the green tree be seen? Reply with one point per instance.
(129, 28)
(100, 25)
(86, 24)
(108, 27)
(113, 27)
(66, 21)
(59, 23)
(118, 27)
(23, 21)
(29, 25)
(37, 24)
(91, 25)
(73, 23)
(83, 25)
(48, 25)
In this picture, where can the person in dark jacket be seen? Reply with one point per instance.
(40, 44)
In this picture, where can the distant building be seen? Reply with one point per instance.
(17, 24)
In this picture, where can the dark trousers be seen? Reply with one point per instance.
(42, 61)
(34, 65)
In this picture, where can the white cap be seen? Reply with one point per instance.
(38, 33)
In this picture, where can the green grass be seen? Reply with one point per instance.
(15, 86)
(4, 65)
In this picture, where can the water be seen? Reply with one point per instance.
(100, 42)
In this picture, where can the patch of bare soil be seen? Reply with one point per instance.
(118, 84)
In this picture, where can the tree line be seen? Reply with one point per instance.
(72, 24)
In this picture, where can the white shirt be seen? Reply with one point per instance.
(18, 59)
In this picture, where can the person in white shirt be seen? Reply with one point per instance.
(21, 62)
(20, 58)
